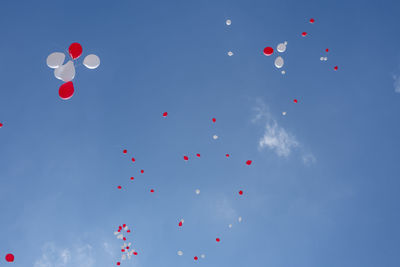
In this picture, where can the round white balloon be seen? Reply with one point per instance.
(65, 72)
(91, 61)
(279, 62)
(197, 191)
(55, 60)
(228, 22)
(281, 47)
(180, 253)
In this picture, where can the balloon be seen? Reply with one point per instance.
(9, 257)
(125, 151)
(283, 72)
(75, 50)
(91, 61)
(279, 62)
(336, 68)
(151, 190)
(215, 137)
(240, 219)
(214, 119)
(217, 239)
(295, 101)
(303, 34)
(55, 60)
(202, 256)
(327, 50)
(268, 51)
(230, 225)
(284, 113)
(281, 48)
(197, 191)
(1, 125)
(180, 253)
(240, 192)
(141, 171)
(185, 158)
(66, 90)
(119, 187)
(65, 72)
(195, 258)
(165, 114)
(312, 21)
(198, 155)
(228, 22)
(230, 53)
(227, 155)
(133, 159)
(132, 178)
(321, 58)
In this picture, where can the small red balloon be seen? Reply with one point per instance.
(185, 158)
(119, 187)
(195, 258)
(122, 250)
(127, 247)
(198, 155)
(303, 34)
(75, 50)
(133, 159)
(118, 263)
(9, 257)
(1, 125)
(180, 223)
(327, 50)
(214, 119)
(135, 253)
(240, 192)
(312, 20)
(124, 225)
(217, 239)
(227, 155)
(124, 238)
(152, 190)
(141, 171)
(268, 51)
(125, 151)
(336, 68)
(132, 178)
(249, 162)
(128, 231)
(66, 90)
(165, 114)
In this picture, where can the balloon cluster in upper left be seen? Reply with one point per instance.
(66, 72)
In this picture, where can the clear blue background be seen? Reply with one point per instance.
(61, 161)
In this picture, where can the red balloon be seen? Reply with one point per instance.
(217, 239)
(335, 68)
(141, 171)
(327, 50)
(214, 119)
(152, 190)
(303, 34)
(227, 155)
(119, 187)
(128, 231)
(134, 253)
(75, 50)
(1, 125)
(133, 159)
(66, 90)
(195, 258)
(165, 114)
(240, 192)
(132, 178)
(124, 225)
(180, 223)
(249, 162)
(10, 257)
(185, 158)
(198, 155)
(124, 238)
(118, 263)
(268, 51)
(312, 20)
(125, 151)
(295, 100)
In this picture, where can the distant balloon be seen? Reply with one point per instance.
(284, 113)
(217, 239)
(66, 90)
(214, 119)
(240, 219)
(336, 68)
(91, 61)
(165, 114)
(312, 20)
(1, 125)
(295, 100)
(180, 252)
(55, 60)
(9, 257)
(230, 53)
(228, 22)
(215, 137)
(75, 50)
(279, 62)
(65, 72)
(327, 50)
(230, 225)
(197, 191)
(281, 48)
(202, 256)
(283, 72)
(304, 34)
(249, 162)
(195, 258)
(268, 51)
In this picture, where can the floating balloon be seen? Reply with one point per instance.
(268, 51)
(284, 113)
(228, 22)
(336, 68)
(9, 257)
(312, 20)
(230, 225)
(217, 239)
(197, 191)
(281, 48)
(185, 158)
(165, 114)
(133, 159)
(91, 61)
(195, 258)
(132, 178)
(240, 192)
(227, 155)
(55, 60)
(230, 53)
(240, 219)
(295, 101)
(75, 51)
(125, 151)
(249, 162)
(327, 50)
(279, 62)
(303, 34)
(66, 90)
(215, 137)
(151, 190)
(283, 72)
(65, 72)
(202, 256)
(1, 125)
(141, 171)
(198, 155)
(180, 253)
(119, 187)
(214, 119)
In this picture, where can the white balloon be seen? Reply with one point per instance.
(240, 219)
(197, 191)
(203, 256)
(228, 22)
(283, 72)
(281, 47)
(230, 53)
(284, 113)
(65, 72)
(55, 60)
(230, 225)
(180, 253)
(215, 137)
(91, 61)
(279, 62)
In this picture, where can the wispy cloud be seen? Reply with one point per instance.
(53, 256)
(275, 137)
(396, 83)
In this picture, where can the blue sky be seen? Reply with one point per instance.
(323, 186)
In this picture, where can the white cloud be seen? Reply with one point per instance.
(276, 138)
(79, 256)
(396, 83)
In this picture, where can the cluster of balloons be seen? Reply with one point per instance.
(66, 72)
(279, 62)
(126, 250)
